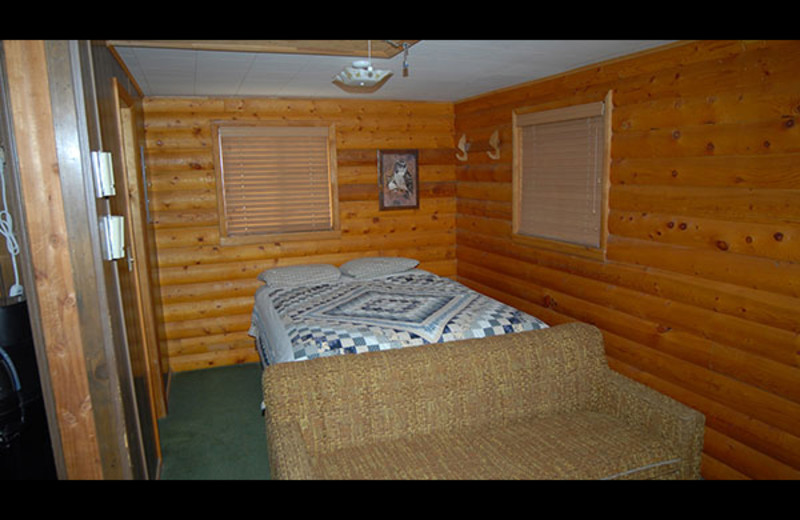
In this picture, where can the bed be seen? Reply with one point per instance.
(369, 304)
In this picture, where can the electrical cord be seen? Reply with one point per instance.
(11, 370)
(7, 229)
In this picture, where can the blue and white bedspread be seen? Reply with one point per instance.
(355, 316)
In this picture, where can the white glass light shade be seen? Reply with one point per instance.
(361, 77)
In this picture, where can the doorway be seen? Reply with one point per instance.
(135, 271)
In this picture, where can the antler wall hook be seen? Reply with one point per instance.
(494, 142)
(463, 145)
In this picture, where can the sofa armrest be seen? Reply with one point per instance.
(640, 405)
(288, 456)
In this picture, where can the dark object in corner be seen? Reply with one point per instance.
(25, 449)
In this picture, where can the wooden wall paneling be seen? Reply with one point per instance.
(774, 276)
(762, 307)
(699, 294)
(47, 233)
(673, 315)
(207, 288)
(767, 240)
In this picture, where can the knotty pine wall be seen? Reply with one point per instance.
(207, 289)
(698, 297)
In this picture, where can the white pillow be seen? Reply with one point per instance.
(300, 275)
(377, 266)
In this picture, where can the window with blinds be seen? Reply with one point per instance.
(275, 180)
(560, 170)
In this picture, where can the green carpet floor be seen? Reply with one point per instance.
(214, 429)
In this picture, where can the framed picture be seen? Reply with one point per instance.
(398, 179)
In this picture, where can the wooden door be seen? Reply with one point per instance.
(134, 274)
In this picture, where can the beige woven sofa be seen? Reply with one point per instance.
(530, 405)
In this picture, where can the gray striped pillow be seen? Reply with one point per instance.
(377, 266)
(300, 275)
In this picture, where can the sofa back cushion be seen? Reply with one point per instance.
(344, 400)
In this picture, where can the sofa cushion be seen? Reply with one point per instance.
(578, 445)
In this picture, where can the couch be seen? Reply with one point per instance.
(530, 405)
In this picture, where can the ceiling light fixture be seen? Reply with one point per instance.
(361, 77)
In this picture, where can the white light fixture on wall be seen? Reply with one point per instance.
(361, 76)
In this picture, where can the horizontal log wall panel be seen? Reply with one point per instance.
(768, 206)
(772, 172)
(207, 288)
(674, 316)
(699, 293)
(780, 242)
(762, 307)
(773, 275)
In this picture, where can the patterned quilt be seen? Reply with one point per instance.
(349, 317)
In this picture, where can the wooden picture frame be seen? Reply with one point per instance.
(398, 179)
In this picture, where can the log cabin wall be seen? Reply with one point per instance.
(207, 288)
(698, 295)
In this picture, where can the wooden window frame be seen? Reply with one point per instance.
(225, 237)
(534, 115)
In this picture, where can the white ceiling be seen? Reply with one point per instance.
(439, 70)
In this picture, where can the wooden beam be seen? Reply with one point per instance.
(380, 48)
(57, 295)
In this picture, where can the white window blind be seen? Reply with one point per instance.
(560, 177)
(275, 180)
